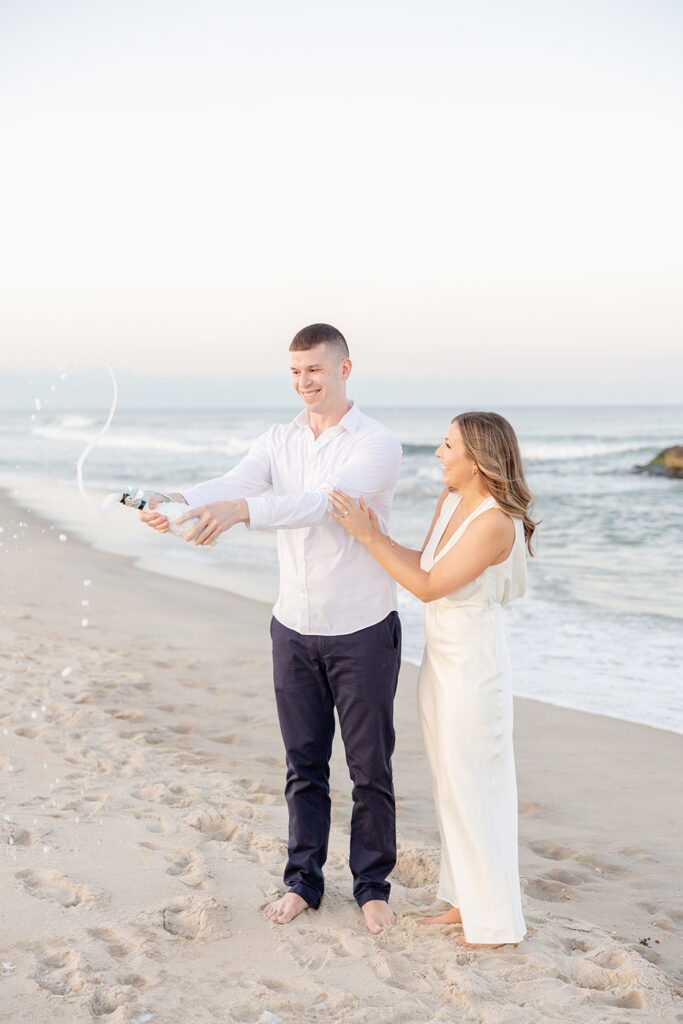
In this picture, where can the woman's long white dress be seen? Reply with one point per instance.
(465, 704)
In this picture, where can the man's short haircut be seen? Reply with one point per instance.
(320, 334)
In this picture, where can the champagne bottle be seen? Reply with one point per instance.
(168, 508)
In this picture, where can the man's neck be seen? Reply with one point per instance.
(320, 422)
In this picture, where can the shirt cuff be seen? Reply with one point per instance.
(192, 496)
(257, 514)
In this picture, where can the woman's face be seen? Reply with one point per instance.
(456, 463)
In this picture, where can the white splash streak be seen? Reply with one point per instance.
(89, 447)
(110, 500)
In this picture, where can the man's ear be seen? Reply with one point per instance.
(346, 366)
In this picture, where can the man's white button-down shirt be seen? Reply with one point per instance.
(329, 584)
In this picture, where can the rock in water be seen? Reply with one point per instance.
(668, 463)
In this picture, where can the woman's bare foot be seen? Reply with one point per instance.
(285, 909)
(378, 916)
(450, 917)
(461, 941)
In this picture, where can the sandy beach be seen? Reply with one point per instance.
(143, 828)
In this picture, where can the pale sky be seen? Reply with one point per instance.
(469, 191)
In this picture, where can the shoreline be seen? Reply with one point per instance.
(255, 582)
(145, 827)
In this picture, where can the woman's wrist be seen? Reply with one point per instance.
(377, 539)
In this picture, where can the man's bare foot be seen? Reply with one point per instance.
(461, 941)
(378, 916)
(450, 917)
(285, 909)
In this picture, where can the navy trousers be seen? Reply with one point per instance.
(357, 673)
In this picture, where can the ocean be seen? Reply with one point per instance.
(601, 627)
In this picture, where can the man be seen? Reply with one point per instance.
(335, 630)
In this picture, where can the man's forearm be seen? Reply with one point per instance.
(287, 511)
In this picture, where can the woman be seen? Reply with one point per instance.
(473, 561)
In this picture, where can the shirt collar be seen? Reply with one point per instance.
(350, 421)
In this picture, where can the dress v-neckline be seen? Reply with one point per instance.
(437, 554)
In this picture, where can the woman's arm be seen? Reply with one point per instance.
(410, 554)
(487, 540)
(407, 554)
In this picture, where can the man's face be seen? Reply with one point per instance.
(319, 377)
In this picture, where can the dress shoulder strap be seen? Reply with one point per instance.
(486, 504)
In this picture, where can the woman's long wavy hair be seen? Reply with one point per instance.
(492, 443)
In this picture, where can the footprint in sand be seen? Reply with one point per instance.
(55, 886)
(61, 974)
(19, 836)
(172, 794)
(552, 852)
(243, 840)
(668, 919)
(256, 792)
(107, 1000)
(417, 867)
(31, 732)
(635, 853)
(185, 921)
(214, 825)
(88, 804)
(609, 973)
(547, 890)
(68, 974)
(185, 864)
(96, 799)
(646, 952)
(143, 687)
(250, 848)
(567, 877)
(576, 946)
(616, 986)
(117, 945)
(241, 810)
(382, 967)
(134, 980)
(194, 917)
(226, 737)
(187, 867)
(609, 958)
(152, 823)
(126, 715)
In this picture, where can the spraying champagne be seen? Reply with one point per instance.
(168, 508)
